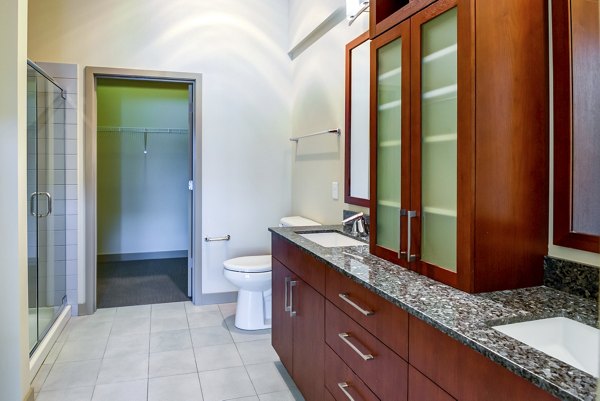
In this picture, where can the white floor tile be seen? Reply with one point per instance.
(175, 388)
(171, 340)
(53, 354)
(282, 396)
(104, 314)
(82, 350)
(127, 344)
(253, 352)
(205, 319)
(169, 323)
(174, 309)
(226, 384)
(217, 357)
(240, 335)
(125, 391)
(191, 308)
(266, 378)
(71, 394)
(228, 309)
(89, 329)
(133, 311)
(171, 363)
(206, 336)
(72, 374)
(123, 369)
(131, 325)
(253, 398)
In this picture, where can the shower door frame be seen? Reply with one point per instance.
(90, 178)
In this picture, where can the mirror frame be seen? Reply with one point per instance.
(563, 234)
(348, 106)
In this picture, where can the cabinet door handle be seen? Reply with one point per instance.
(345, 338)
(293, 283)
(364, 311)
(409, 256)
(343, 386)
(400, 253)
(286, 307)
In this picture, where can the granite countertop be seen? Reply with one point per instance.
(467, 317)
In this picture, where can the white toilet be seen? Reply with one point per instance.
(252, 275)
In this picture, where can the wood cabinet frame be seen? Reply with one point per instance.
(563, 133)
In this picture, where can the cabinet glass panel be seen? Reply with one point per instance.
(389, 90)
(438, 140)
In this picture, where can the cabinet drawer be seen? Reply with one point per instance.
(341, 381)
(384, 372)
(421, 388)
(304, 265)
(381, 318)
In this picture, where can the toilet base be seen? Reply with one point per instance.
(251, 312)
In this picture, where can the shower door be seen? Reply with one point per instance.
(46, 223)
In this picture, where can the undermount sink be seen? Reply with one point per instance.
(567, 340)
(332, 239)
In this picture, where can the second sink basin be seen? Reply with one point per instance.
(332, 239)
(567, 340)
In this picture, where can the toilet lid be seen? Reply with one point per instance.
(249, 264)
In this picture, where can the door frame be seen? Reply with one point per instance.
(90, 171)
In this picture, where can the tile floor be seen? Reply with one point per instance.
(163, 352)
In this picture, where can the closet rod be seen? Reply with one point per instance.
(143, 130)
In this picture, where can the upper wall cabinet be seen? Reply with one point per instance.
(576, 52)
(385, 14)
(459, 143)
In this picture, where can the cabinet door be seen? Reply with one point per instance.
(390, 139)
(308, 310)
(421, 388)
(438, 57)
(281, 331)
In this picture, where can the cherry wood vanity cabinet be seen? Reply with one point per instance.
(341, 341)
(298, 317)
(459, 372)
(459, 142)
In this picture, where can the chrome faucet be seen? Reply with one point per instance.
(359, 225)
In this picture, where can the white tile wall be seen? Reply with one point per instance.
(66, 76)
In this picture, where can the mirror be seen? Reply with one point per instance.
(576, 57)
(357, 121)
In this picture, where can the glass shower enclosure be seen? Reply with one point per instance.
(46, 223)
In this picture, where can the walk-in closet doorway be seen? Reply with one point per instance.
(142, 184)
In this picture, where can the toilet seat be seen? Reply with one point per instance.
(249, 264)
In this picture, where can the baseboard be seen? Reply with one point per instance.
(218, 298)
(29, 396)
(125, 257)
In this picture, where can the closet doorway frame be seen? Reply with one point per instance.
(90, 139)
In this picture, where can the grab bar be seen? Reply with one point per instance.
(223, 238)
(336, 131)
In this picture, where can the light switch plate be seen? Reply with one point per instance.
(334, 190)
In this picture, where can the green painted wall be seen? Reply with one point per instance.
(142, 198)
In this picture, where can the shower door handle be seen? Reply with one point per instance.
(49, 209)
(32, 210)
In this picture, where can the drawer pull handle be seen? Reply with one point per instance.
(364, 311)
(344, 337)
(286, 307)
(343, 386)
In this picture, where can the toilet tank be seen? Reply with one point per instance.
(297, 221)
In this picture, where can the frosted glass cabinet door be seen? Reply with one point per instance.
(438, 140)
(389, 115)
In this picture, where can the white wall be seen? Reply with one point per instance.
(240, 48)
(14, 361)
(318, 104)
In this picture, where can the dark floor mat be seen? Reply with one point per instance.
(141, 282)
